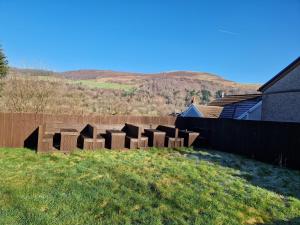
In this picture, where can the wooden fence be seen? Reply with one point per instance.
(16, 128)
(271, 142)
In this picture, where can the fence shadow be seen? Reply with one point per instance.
(294, 221)
(31, 142)
(271, 142)
(280, 180)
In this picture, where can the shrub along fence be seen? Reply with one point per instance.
(271, 142)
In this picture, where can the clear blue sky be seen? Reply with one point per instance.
(245, 41)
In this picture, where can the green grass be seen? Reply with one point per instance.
(144, 187)
(104, 85)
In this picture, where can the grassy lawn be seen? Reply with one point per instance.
(103, 85)
(144, 187)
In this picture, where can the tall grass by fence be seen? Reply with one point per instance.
(271, 142)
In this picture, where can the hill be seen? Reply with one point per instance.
(127, 77)
(138, 78)
(111, 92)
(32, 72)
(93, 74)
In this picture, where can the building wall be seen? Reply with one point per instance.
(253, 114)
(283, 107)
(281, 102)
(291, 82)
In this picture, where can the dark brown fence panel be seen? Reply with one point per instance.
(1, 129)
(16, 128)
(271, 142)
(7, 128)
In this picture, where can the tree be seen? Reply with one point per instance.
(3, 64)
(219, 94)
(28, 94)
(189, 95)
(205, 96)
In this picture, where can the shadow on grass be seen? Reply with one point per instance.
(294, 221)
(283, 181)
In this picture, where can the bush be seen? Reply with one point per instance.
(3, 64)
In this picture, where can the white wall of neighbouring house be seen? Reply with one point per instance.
(253, 114)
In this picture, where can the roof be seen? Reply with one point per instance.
(235, 110)
(202, 111)
(230, 99)
(280, 75)
(210, 111)
(192, 111)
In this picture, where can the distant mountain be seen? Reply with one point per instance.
(111, 92)
(93, 74)
(187, 76)
(32, 72)
(178, 79)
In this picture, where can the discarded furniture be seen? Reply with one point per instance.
(86, 138)
(134, 138)
(115, 139)
(45, 139)
(189, 137)
(90, 138)
(68, 139)
(156, 137)
(99, 141)
(172, 140)
(48, 133)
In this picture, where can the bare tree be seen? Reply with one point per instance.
(27, 94)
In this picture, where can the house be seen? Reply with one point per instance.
(246, 106)
(253, 113)
(194, 110)
(281, 95)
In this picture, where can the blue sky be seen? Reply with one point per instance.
(245, 41)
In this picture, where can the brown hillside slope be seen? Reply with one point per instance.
(109, 92)
(186, 76)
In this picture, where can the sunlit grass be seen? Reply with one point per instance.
(157, 186)
(103, 85)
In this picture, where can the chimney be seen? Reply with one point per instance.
(193, 100)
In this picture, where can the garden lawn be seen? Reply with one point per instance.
(144, 187)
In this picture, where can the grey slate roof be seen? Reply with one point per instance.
(236, 109)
